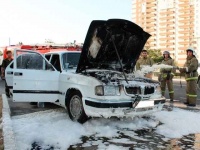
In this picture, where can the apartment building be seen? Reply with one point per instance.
(173, 24)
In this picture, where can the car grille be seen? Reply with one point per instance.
(133, 90)
(148, 90)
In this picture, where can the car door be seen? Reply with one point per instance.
(34, 78)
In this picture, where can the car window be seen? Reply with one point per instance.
(48, 57)
(11, 65)
(55, 61)
(31, 61)
(70, 60)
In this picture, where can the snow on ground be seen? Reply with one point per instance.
(53, 128)
(178, 122)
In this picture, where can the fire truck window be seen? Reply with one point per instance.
(55, 61)
(30, 61)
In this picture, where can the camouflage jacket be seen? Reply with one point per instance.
(144, 61)
(192, 65)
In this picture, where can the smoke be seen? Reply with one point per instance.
(148, 69)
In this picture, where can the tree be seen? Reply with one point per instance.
(155, 54)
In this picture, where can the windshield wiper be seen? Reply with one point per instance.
(118, 58)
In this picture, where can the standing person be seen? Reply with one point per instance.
(144, 60)
(166, 75)
(5, 63)
(191, 76)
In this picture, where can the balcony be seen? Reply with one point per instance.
(182, 48)
(184, 15)
(163, 23)
(170, 28)
(187, 31)
(150, 1)
(186, 4)
(183, 21)
(152, 40)
(162, 44)
(150, 30)
(150, 5)
(151, 24)
(183, 1)
(168, 49)
(150, 20)
(167, 18)
(151, 10)
(150, 15)
(169, 33)
(185, 43)
(167, 38)
(167, 12)
(162, 34)
(184, 26)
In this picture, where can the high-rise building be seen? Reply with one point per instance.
(173, 24)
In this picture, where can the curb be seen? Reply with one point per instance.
(8, 134)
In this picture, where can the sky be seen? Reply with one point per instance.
(62, 21)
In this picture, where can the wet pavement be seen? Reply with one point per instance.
(142, 139)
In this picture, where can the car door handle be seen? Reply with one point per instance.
(18, 73)
(9, 72)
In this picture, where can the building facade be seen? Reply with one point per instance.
(173, 24)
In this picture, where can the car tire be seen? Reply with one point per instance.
(75, 107)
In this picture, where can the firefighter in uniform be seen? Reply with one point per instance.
(5, 63)
(144, 60)
(166, 75)
(191, 76)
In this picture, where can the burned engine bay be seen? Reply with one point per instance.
(134, 86)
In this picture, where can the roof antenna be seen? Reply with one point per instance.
(118, 58)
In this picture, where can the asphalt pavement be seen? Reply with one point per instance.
(179, 91)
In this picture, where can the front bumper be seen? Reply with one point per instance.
(99, 108)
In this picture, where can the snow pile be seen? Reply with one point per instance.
(112, 147)
(53, 128)
(177, 123)
(8, 133)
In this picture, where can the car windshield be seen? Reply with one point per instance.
(70, 60)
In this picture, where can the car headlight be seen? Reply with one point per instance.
(99, 90)
(107, 90)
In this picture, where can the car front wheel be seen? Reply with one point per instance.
(75, 107)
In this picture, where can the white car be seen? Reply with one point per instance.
(99, 84)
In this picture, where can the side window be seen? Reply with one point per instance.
(31, 61)
(55, 61)
(11, 65)
(48, 57)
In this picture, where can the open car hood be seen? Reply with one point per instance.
(113, 44)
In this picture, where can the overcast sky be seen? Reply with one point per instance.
(33, 21)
